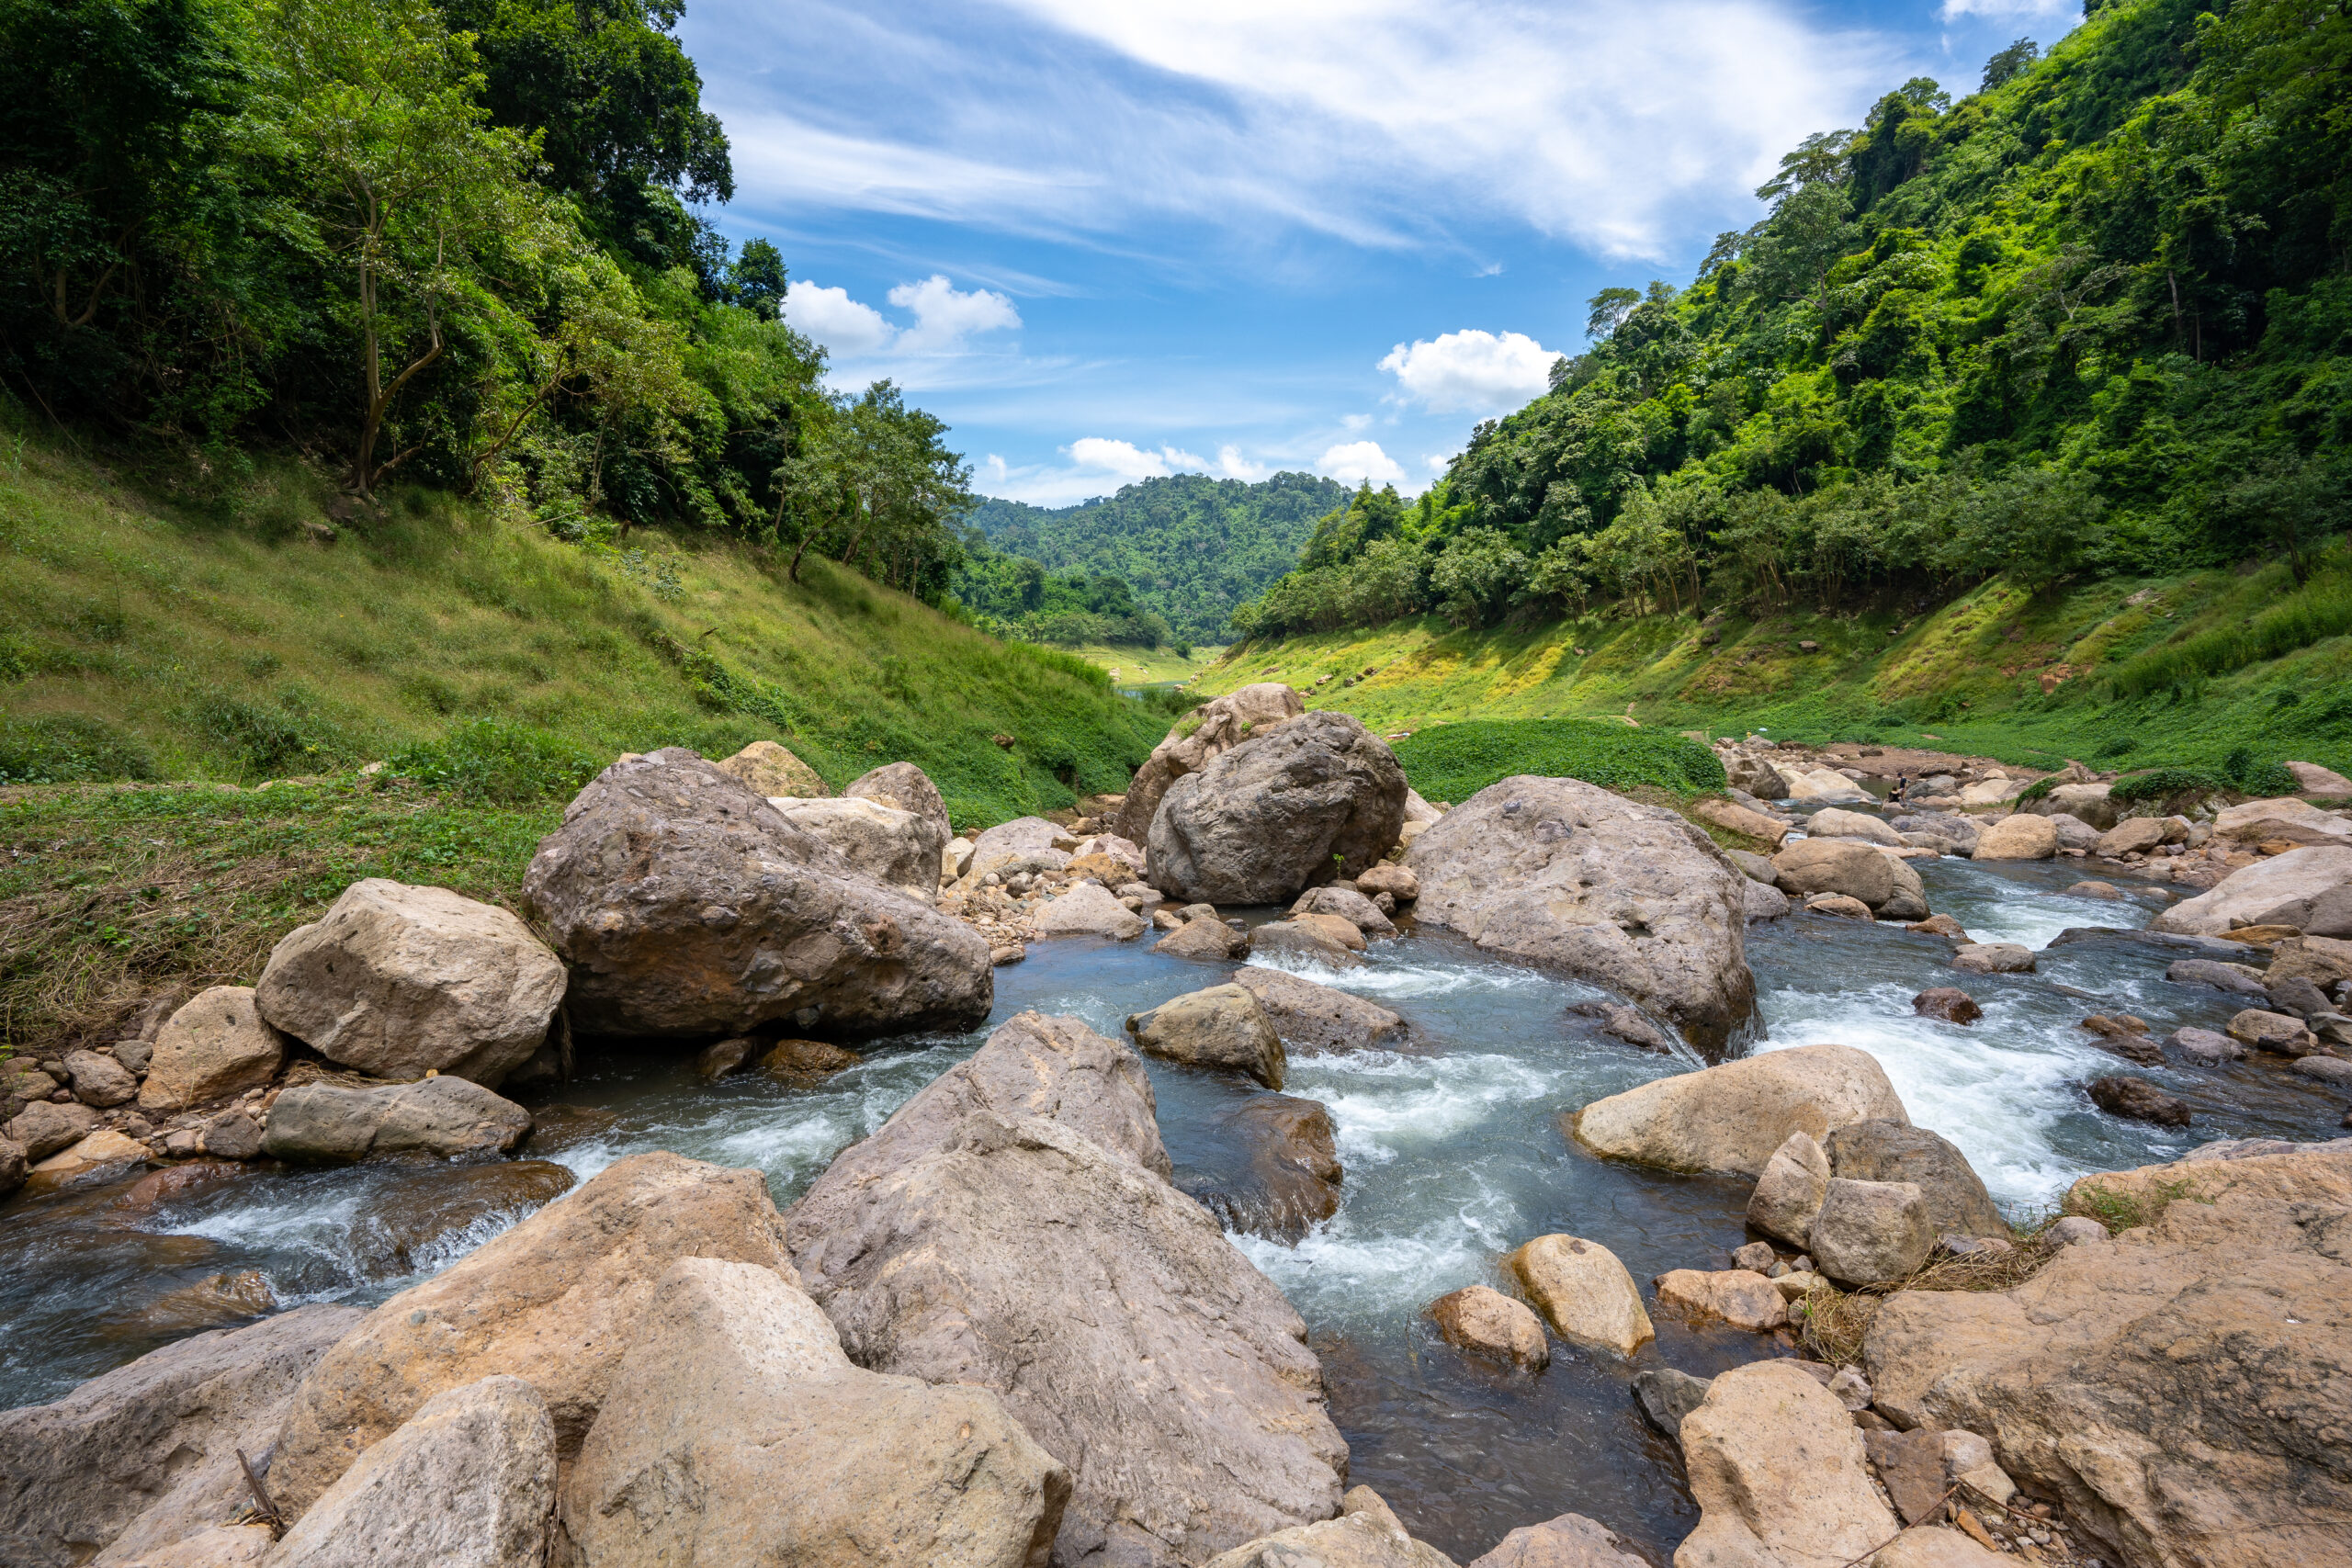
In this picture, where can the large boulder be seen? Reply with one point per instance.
(398, 981)
(1956, 1203)
(1222, 1026)
(1312, 1019)
(2288, 884)
(1778, 1470)
(2180, 1387)
(1207, 732)
(1733, 1117)
(686, 905)
(1029, 843)
(1106, 1309)
(326, 1123)
(1270, 1166)
(555, 1301)
(214, 1046)
(1088, 910)
(2086, 803)
(134, 1461)
(1584, 1291)
(1031, 1065)
(1205, 940)
(901, 851)
(735, 1430)
(468, 1482)
(1889, 887)
(1832, 823)
(1566, 874)
(768, 769)
(1869, 1233)
(1823, 786)
(2311, 778)
(902, 786)
(1321, 798)
(2283, 819)
(2021, 835)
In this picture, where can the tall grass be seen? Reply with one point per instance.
(2319, 610)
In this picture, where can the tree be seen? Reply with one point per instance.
(1792, 252)
(877, 472)
(2010, 63)
(757, 279)
(1819, 159)
(1608, 310)
(411, 180)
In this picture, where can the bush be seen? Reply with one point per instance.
(1456, 762)
(2164, 784)
(490, 760)
(69, 749)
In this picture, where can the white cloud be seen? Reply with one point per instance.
(2014, 10)
(1472, 369)
(944, 318)
(1097, 454)
(1232, 465)
(848, 330)
(1352, 461)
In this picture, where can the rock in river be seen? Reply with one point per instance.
(398, 981)
(687, 906)
(1484, 1322)
(2295, 880)
(2182, 1387)
(1778, 1470)
(1321, 796)
(1207, 732)
(1566, 874)
(1956, 1203)
(1994, 958)
(736, 1431)
(1584, 1291)
(1275, 1170)
(1734, 1116)
(2137, 1099)
(214, 1046)
(1891, 889)
(1744, 1300)
(1222, 1026)
(1311, 1019)
(323, 1123)
(1088, 910)
(1947, 1002)
(2020, 836)
(1788, 1192)
(555, 1300)
(1206, 938)
(135, 1461)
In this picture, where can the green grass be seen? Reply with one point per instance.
(2024, 678)
(1454, 762)
(154, 627)
(109, 892)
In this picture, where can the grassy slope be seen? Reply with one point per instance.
(1153, 666)
(1971, 673)
(142, 638)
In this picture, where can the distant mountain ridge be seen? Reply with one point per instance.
(1190, 546)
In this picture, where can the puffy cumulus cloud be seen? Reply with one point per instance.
(1097, 454)
(1470, 370)
(2011, 10)
(1355, 461)
(945, 319)
(1100, 463)
(1232, 465)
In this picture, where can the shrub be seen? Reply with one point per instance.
(1456, 762)
(69, 749)
(490, 760)
(2164, 784)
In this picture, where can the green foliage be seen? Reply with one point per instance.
(1016, 597)
(2094, 318)
(1454, 762)
(2317, 611)
(493, 759)
(69, 749)
(2164, 784)
(1192, 547)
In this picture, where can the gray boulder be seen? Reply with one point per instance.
(1221, 1026)
(133, 1462)
(1756, 776)
(1089, 909)
(1956, 1203)
(2205, 1047)
(898, 850)
(1021, 1256)
(1568, 875)
(735, 1421)
(1312, 1019)
(468, 1482)
(2074, 833)
(687, 905)
(1762, 901)
(1891, 889)
(98, 1079)
(1870, 1233)
(1299, 942)
(2238, 979)
(902, 786)
(1994, 958)
(1319, 798)
(324, 1124)
(1206, 733)
(396, 981)
(41, 1129)
(1209, 940)
(1027, 843)
(1755, 867)
(1667, 1396)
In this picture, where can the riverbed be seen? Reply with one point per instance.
(1452, 1150)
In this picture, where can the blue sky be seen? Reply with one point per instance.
(1105, 240)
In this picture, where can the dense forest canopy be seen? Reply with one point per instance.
(453, 243)
(1015, 597)
(1190, 546)
(2095, 316)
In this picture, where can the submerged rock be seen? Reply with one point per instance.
(2137, 1099)
(1734, 1116)
(1947, 1002)
(1321, 798)
(397, 981)
(1632, 897)
(1282, 1174)
(2238, 979)
(1484, 1322)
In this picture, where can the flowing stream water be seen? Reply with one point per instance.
(1453, 1149)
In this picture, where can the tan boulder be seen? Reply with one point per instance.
(1745, 822)
(1856, 870)
(106, 1147)
(1365, 1539)
(1571, 1540)
(771, 770)
(1484, 1322)
(1778, 1470)
(214, 1046)
(1832, 823)
(2020, 836)
(735, 1420)
(2138, 834)
(902, 786)
(1584, 1291)
(1088, 910)
(2312, 779)
(1733, 1116)
(2182, 1386)
(1222, 1026)
(1339, 929)
(2283, 819)
(1394, 880)
(399, 981)
(2253, 893)
(555, 1300)
(1207, 940)
(1788, 1192)
(1741, 1297)
(891, 848)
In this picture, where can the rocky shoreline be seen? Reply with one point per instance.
(998, 1330)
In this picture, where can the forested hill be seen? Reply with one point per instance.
(2089, 320)
(1190, 546)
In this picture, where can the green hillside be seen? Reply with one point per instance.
(1190, 546)
(149, 640)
